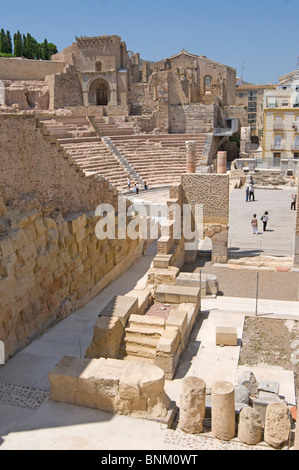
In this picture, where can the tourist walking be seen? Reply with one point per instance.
(254, 225)
(247, 194)
(129, 184)
(293, 203)
(145, 186)
(265, 219)
(251, 193)
(137, 188)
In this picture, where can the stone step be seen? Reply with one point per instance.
(177, 294)
(149, 340)
(147, 321)
(139, 350)
(130, 357)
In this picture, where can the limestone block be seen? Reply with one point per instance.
(18, 239)
(269, 386)
(178, 319)
(167, 364)
(192, 405)
(162, 276)
(144, 299)
(121, 306)
(165, 245)
(4, 225)
(223, 410)
(106, 339)
(27, 254)
(64, 375)
(96, 401)
(6, 246)
(242, 394)
(39, 227)
(277, 425)
(8, 265)
(76, 223)
(226, 336)
(248, 380)
(3, 208)
(260, 403)
(16, 220)
(177, 294)
(250, 429)
(169, 342)
(49, 223)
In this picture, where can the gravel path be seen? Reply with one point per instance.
(242, 282)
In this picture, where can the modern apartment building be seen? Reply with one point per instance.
(252, 97)
(281, 121)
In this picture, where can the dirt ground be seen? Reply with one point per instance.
(272, 342)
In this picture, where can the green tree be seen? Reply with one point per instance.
(52, 49)
(45, 50)
(18, 44)
(8, 43)
(2, 40)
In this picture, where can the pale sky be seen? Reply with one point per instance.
(258, 38)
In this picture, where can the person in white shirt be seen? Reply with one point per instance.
(254, 225)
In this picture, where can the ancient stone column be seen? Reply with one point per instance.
(191, 156)
(250, 430)
(192, 405)
(223, 410)
(277, 425)
(222, 162)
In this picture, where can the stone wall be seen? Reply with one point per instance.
(25, 95)
(51, 262)
(210, 190)
(26, 69)
(37, 173)
(192, 119)
(65, 89)
(51, 266)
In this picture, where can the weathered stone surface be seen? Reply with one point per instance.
(130, 388)
(226, 336)
(248, 380)
(250, 427)
(106, 339)
(192, 405)
(277, 425)
(223, 410)
(261, 402)
(242, 394)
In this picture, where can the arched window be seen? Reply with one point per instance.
(208, 85)
(99, 66)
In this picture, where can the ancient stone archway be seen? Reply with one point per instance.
(99, 93)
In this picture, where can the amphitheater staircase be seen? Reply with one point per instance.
(141, 337)
(81, 142)
(158, 160)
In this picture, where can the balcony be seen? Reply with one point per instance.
(295, 146)
(278, 126)
(277, 147)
